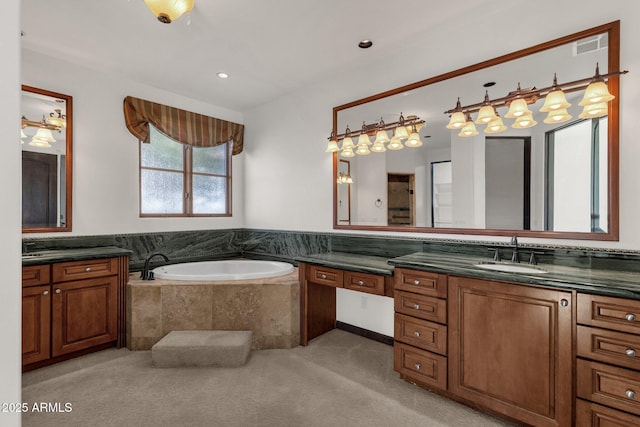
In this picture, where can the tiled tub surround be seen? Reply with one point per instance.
(270, 308)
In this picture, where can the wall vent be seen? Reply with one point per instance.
(591, 44)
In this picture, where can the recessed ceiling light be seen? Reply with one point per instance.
(365, 44)
(222, 75)
(489, 84)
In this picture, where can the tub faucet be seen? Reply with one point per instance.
(146, 274)
(514, 244)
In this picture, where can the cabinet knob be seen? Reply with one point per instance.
(88, 269)
(630, 352)
(564, 303)
(416, 333)
(630, 394)
(45, 293)
(630, 317)
(418, 366)
(324, 276)
(58, 291)
(416, 306)
(361, 283)
(416, 282)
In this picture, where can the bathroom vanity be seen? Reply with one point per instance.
(72, 303)
(551, 349)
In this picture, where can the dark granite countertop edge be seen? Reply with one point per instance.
(351, 262)
(66, 255)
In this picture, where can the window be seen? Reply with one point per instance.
(182, 180)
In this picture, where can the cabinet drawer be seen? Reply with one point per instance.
(325, 275)
(424, 367)
(590, 414)
(609, 313)
(421, 333)
(424, 307)
(75, 270)
(422, 282)
(607, 346)
(609, 385)
(35, 275)
(364, 282)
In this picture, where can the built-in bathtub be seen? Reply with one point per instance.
(217, 295)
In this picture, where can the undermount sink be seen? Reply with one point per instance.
(511, 268)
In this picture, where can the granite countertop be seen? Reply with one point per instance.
(64, 255)
(622, 284)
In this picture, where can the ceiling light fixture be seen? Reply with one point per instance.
(365, 44)
(222, 75)
(169, 10)
(594, 102)
(56, 121)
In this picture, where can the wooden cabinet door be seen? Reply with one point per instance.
(36, 333)
(510, 349)
(84, 314)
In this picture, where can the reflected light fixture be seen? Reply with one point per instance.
(594, 110)
(496, 125)
(558, 116)
(414, 139)
(524, 121)
(57, 119)
(458, 118)
(469, 129)
(395, 144)
(169, 10)
(344, 178)
(487, 113)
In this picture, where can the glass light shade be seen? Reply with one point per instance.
(414, 140)
(596, 93)
(524, 122)
(468, 130)
(347, 143)
(363, 149)
(44, 134)
(401, 133)
(169, 10)
(594, 110)
(347, 152)
(57, 121)
(555, 101)
(517, 108)
(364, 139)
(332, 146)
(22, 134)
(39, 142)
(558, 116)
(378, 147)
(486, 114)
(457, 120)
(381, 136)
(395, 144)
(495, 126)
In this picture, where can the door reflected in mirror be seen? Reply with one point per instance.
(46, 140)
(555, 179)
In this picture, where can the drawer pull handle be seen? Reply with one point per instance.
(361, 283)
(630, 394)
(45, 293)
(418, 366)
(630, 352)
(416, 282)
(58, 291)
(416, 333)
(630, 317)
(88, 269)
(324, 276)
(416, 306)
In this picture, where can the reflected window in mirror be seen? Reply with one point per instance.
(46, 140)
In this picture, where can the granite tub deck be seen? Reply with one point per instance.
(269, 308)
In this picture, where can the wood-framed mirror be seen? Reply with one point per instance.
(47, 148)
(547, 171)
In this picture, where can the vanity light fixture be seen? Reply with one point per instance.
(169, 10)
(344, 178)
(43, 135)
(595, 101)
(222, 75)
(57, 119)
(403, 129)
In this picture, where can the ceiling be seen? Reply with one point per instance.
(268, 48)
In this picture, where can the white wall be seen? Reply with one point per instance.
(105, 154)
(10, 290)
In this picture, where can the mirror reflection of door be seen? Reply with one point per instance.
(401, 199)
(441, 194)
(39, 189)
(344, 191)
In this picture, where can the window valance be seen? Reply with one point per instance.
(183, 126)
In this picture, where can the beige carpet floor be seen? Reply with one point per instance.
(340, 379)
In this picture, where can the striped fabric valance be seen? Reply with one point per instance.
(183, 126)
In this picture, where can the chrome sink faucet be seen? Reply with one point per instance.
(514, 244)
(146, 274)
